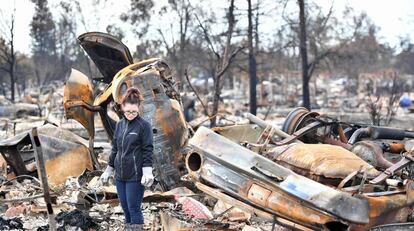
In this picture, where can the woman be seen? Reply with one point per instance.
(131, 158)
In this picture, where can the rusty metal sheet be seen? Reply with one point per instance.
(107, 52)
(249, 208)
(106, 94)
(78, 90)
(240, 133)
(321, 160)
(14, 152)
(386, 209)
(65, 153)
(371, 153)
(234, 169)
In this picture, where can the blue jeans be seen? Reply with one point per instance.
(130, 194)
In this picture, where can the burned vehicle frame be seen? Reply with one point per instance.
(161, 106)
(226, 170)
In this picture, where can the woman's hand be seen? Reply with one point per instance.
(147, 177)
(106, 174)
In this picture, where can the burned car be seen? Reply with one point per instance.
(304, 176)
(161, 106)
(276, 188)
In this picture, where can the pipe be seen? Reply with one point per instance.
(358, 134)
(264, 124)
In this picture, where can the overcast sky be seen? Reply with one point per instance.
(395, 18)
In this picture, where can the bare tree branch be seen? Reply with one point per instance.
(228, 62)
(325, 21)
(284, 16)
(165, 42)
(196, 93)
(312, 65)
(207, 37)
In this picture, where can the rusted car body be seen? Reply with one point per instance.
(378, 145)
(161, 106)
(265, 185)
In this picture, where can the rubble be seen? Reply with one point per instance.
(193, 208)
(18, 110)
(76, 218)
(302, 171)
(9, 224)
(16, 211)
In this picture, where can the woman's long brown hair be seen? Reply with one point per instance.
(132, 96)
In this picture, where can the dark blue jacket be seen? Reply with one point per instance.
(131, 149)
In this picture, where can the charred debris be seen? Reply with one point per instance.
(313, 172)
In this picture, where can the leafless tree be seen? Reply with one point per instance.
(223, 60)
(374, 106)
(394, 96)
(383, 106)
(317, 32)
(176, 49)
(8, 54)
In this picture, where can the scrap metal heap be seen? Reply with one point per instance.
(65, 153)
(225, 169)
(316, 173)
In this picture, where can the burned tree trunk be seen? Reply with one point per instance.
(304, 54)
(8, 56)
(223, 65)
(252, 62)
(223, 61)
(12, 63)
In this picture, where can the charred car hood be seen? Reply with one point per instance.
(108, 53)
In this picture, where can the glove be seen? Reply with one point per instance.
(106, 174)
(147, 177)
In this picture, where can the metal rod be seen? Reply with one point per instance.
(264, 124)
(41, 170)
(92, 153)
